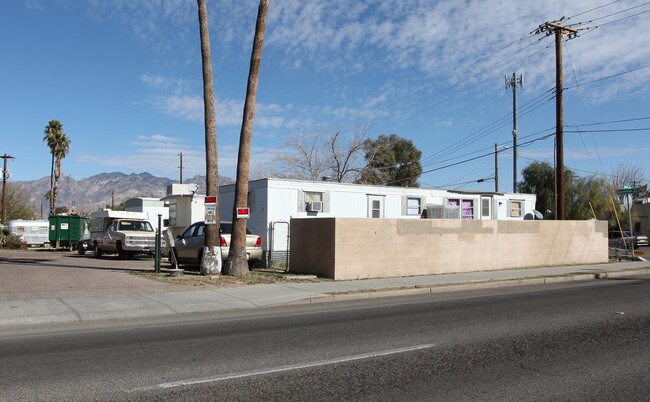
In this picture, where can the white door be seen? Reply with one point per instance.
(375, 206)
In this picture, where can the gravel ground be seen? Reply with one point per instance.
(45, 273)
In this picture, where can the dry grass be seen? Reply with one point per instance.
(257, 277)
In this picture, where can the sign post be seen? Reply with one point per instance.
(629, 192)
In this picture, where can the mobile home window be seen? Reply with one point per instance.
(516, 208)
(467, 209)
(485, 207)
(413, 206)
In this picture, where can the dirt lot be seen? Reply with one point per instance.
(47, 273)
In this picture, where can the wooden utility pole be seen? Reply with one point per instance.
(237, 263)
(4, 184)
(559, 30)
(496, 168)
(181, 168)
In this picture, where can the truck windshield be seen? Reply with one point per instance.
(137, 226)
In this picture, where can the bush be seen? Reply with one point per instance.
(12, 242)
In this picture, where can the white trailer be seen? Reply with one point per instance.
(32, 232)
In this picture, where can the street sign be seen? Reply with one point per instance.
(628, 190)
(210, 214)
(210, 200)
(243, 213)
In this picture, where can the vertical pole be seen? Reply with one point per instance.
(157, 255)
(630, 201)
(559, 129)
(113, 199)
(4, 183)
(496, 169)
(514, 132)
(181, 168)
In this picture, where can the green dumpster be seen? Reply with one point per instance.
(69, 231)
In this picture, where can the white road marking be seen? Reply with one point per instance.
(293, 367)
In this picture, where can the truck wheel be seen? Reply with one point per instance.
(97, 252)
(81, 249)
(121, 254)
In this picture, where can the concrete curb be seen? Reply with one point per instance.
(414, 290)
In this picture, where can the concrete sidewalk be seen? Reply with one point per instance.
(148, 304)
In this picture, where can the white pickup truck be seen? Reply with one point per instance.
(123, 233)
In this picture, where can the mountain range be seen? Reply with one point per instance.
(102, 190)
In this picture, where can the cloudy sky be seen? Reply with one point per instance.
(124, 78)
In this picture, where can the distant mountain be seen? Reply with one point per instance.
(96, 192)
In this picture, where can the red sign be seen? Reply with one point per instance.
(243, 213)
(210, 199)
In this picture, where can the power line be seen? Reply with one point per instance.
(609, 77)
(593, 9)
(625, 130)
(610, 122)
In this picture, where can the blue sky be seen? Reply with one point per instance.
(124, 78)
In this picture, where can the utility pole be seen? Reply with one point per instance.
(512, 83)
(181, 167)
(496, 168)
(559, 30)
(5, 176)
(113, 199)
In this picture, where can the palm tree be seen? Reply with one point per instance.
(237, 264)
(211, 257)
(59, 145)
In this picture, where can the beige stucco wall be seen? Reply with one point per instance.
(348, 248)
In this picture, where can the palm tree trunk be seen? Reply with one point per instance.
(50, 199)
(237, 263)
(211, 261)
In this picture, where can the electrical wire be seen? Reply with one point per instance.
(608, 77)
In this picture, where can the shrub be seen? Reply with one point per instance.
(12, 242)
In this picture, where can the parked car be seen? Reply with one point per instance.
(188, 246)
(618, 241)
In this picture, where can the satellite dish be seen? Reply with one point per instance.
(193, 188)
(538, 215)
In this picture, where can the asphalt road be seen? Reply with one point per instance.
(576, 341)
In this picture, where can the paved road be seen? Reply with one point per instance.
(570, 341)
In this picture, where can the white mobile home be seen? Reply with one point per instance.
(273, 202)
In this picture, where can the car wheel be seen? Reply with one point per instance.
(81, 250)
(97, 252)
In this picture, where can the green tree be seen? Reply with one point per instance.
(539, 178)
(392, 161)
(59, 145)
(584, 196)
(17, 203)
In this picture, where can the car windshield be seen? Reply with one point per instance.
(137, 226)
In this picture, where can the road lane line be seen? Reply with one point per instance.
(293, 367)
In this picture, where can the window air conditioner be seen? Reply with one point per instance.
(315, 206)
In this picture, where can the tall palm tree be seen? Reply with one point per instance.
(211, 257)
(59, 145)
(237, 264)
